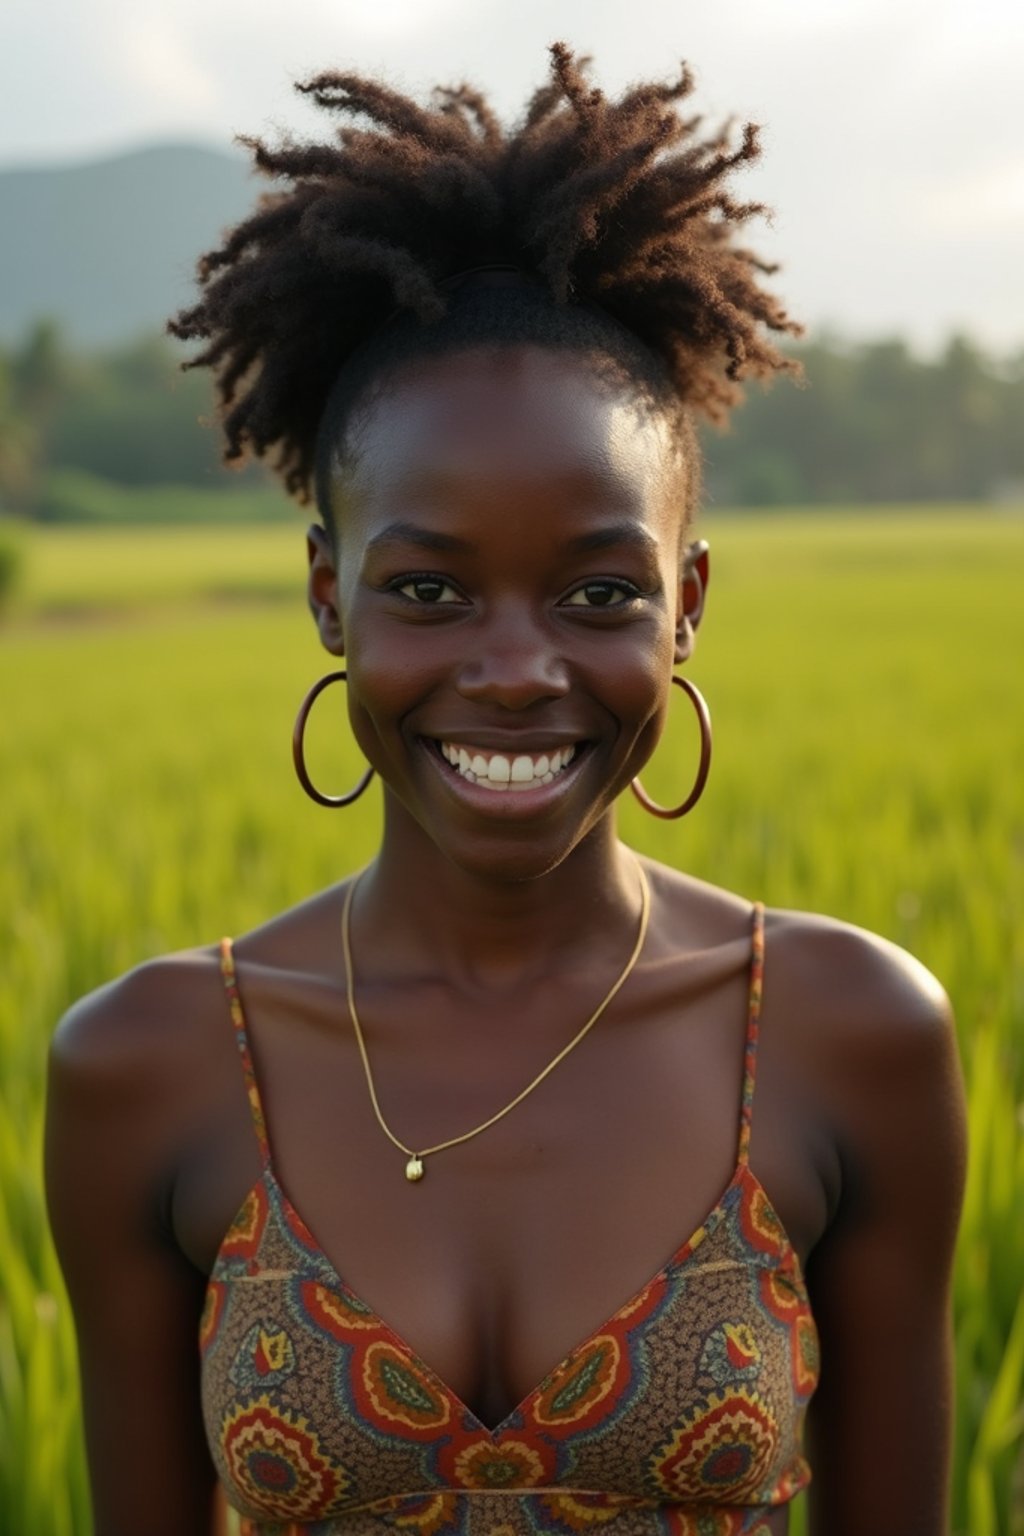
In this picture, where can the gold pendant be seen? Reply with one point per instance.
(414, 1169)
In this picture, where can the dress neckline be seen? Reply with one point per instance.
(742, 1175)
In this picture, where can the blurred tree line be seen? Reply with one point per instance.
(73, 422)
(873, 423)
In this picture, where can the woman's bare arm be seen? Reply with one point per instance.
(114, 1118)
(881, 1421)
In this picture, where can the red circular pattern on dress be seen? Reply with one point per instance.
(585, 1389)
(499, 1465)
(276, 1462)
(725, 1447)
(395, 1394)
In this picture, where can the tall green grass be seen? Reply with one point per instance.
(865, 675)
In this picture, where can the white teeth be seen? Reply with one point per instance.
(499, 772)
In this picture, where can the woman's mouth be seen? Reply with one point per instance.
(507, 772)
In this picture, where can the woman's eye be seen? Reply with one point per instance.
(602, 594)
(427, 589)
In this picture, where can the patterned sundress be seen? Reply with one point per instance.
(682, 1414)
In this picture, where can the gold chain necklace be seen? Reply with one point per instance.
(414, 1166)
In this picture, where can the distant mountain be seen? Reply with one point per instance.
(108, 248)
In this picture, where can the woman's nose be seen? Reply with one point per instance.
(513, 663)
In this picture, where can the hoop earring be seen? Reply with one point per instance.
(704, 719)
(298, 749)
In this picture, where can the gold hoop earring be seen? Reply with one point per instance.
(299, 754)
(670, 813)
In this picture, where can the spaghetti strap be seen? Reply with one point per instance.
(753, 1023)
(227, 970)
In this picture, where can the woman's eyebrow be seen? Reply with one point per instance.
(605, 538)
(583, 543)
(414, 533)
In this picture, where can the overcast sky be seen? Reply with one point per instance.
(894, 145)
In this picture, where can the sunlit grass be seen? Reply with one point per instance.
(99, 572)
(864, 674)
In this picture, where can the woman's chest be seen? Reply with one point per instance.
(692, 1391)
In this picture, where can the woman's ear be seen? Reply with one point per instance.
(322, 590)
(693, 586)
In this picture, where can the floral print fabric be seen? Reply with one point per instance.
(682, 1414)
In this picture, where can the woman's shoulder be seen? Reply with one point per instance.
(830, 979)
(166, 1009)
(140, 1022)
(854, 998)
(868, 1030)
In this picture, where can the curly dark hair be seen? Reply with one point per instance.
(617, 206)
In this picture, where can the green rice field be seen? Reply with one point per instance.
(866, 674)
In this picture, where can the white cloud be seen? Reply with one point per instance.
(159, 67)
(989, 202)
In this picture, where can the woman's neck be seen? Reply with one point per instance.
(417, 913)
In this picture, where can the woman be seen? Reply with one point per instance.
(508, 1069)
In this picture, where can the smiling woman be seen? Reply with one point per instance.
(365, 1216)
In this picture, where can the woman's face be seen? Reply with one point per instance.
(508, 598)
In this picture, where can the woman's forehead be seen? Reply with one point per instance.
(465, 423)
